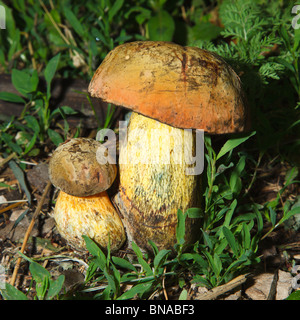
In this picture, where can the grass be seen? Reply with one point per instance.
(256, 38)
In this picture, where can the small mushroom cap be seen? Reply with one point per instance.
(185, 87)
(74, 168)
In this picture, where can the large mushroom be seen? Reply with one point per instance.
(171, 88)
(83, 206)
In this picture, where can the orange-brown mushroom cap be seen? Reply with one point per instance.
(74, 168)
(185, 87)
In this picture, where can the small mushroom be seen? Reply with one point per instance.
(168, 87)
(83, 206)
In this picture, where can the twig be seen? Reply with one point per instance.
(30, 227)
(11, 156)
(215, 292)
(12, 206)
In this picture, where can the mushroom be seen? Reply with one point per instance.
(83, 206)
(172, 88)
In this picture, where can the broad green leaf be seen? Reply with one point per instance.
(11, 97)
(55, 286)
(233, 143)
(55, 137)
(24, 82)
(12, 293)
(161, 27)
(38, 272)
(231, 240)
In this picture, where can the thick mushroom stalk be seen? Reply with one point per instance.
(154, 183)
(83, 206)
(181, 87)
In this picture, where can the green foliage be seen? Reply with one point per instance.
(24, 134)
(46, 288)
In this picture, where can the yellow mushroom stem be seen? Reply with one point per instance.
(154, 183)
(93, 216)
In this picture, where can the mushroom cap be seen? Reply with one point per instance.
(185, 87)
(74, 168)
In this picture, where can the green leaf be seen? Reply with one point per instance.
(161, 27)
(122, 263)
(11, 97)
(19, 174)
(246, 237)
(31, 143)
(290, 213)
(140, 289)
(183, 295)
(154, 247)
(114, 9)
(111, 281)
(50, 72)
(194, 213)
(233, 143)
(32, 123)
(24, 82)
(55, 286)
(207, 240)
(211, 262)
(160, 258)
(137, 250)
(74, 22)
(230, 212)
(12, 293)
(273, 215)
(55, 137)
(231, 240)
(100, 258)
(180, 228)
(294, 296)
